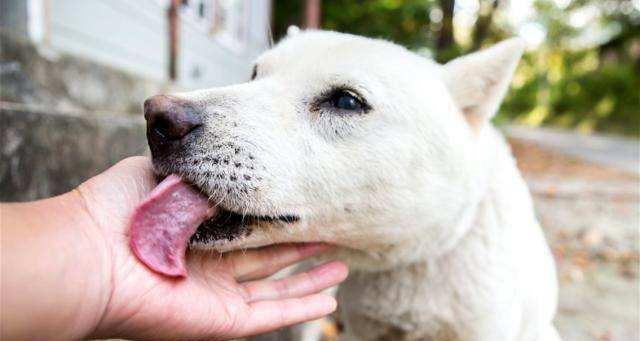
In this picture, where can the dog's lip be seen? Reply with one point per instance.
(287, 218)
(227, 223)
(227, 214)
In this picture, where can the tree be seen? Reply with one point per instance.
(562, 83)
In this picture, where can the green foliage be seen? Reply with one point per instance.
(587, 94)
(403, 21)
(589, 87)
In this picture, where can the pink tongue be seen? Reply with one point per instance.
(162, 225)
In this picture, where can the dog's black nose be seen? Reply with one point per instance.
(169, 119)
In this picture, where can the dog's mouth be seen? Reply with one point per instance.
(176, 213)
(228, 225)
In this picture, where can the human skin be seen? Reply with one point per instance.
(68, 273)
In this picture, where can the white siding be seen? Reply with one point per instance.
(128, 35)
(133, 36)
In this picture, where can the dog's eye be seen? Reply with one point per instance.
(345, 100)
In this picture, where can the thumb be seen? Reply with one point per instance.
(112, 195)
(133, 176)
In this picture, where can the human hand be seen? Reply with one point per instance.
(224, 296)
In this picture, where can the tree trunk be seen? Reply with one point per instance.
(445, 36)
(174, 36)
(482, 26)
(312, 14)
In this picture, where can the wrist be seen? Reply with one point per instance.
(97, 269)
(55, 269)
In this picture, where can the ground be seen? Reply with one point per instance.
(590, 215)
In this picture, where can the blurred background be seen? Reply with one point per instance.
(73, 75)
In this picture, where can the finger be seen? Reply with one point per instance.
(260, 263)
(266, 316)
(302, 284)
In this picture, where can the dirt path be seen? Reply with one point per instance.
(590, 214)
(610, 151)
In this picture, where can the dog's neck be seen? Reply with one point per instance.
(420, 294)
(490, 217)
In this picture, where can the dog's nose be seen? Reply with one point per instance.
(169, 119)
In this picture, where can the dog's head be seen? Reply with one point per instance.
(338, 138)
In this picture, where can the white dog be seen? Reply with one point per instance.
(360, 143)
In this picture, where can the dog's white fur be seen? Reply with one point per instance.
(420, 193)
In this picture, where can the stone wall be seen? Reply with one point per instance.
(33, 76)
(45, 153)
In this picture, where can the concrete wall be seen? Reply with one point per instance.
(14, 17)
(110, 55)
(68, 83)
(47, 153)
(96, 60)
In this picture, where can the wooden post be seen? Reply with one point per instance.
(173, 38)
(312, 14)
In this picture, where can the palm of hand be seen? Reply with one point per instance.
(222, 297)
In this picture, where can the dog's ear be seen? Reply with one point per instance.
(479, 81)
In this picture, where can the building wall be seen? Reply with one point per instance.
(133, 36)
(129, 35)
(74, 75)
(198, 46)
(13, 17)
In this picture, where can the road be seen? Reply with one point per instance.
(586, 192)
(611, 151)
